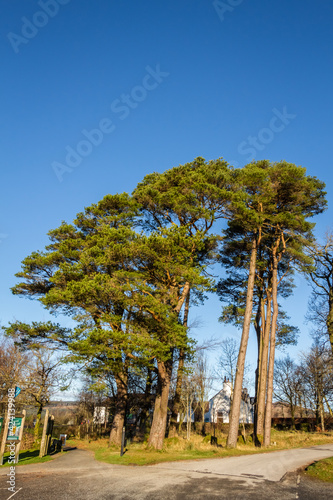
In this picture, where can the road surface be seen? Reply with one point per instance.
(77, 475)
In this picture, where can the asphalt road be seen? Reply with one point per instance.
(77, 475)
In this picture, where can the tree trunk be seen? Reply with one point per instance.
(177, 397)
(270, 377)
(144, 415)
(328, 407)
(37, 424)
(259, 331)
(188, 418)
(322, 414)
(321, 404)
(180, 371)
(158, 427)
(263, 371)
(329, 320)
(237, 393)
(292, 412)
(120, 411)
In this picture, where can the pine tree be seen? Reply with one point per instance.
(279, 199)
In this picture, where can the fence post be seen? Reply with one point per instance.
(49, 431)
(42, 444)
(4, 437)
(18, 446)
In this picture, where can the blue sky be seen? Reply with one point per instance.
(195, 78)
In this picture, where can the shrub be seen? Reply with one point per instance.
(171, 441)
(207, 438)
(190, 446)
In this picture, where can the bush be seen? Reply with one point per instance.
(171, 441)
(207, 438)
(241, 439)
(190, 446)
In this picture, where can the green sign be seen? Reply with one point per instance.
(14, 429)
(1, 422)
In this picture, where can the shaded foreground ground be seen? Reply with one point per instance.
(78, 475)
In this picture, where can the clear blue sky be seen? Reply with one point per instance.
(222, 79)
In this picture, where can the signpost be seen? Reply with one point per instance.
(13, 428)
(122, 442)
(20, 436)
(12, 434)
(14, 431)
(99, 415)
(213, 439)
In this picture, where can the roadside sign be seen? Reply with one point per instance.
(14, 429)
(63, 438)
(99, 415)
(17, 391)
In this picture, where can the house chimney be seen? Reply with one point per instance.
(227, 387)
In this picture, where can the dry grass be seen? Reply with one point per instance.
(198, 447)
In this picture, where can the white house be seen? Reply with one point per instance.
(183, 417)
(219, 406)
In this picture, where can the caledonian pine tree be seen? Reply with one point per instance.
(187, 200)
(98, 271)
(278, 200)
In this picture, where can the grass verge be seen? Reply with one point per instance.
(29, 457)
(323, 470)
(197, 448)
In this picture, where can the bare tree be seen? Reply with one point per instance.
(203, 381)
(288, 384)
(189, 401)
(316, 371)
(228, 359)
(13, 369)
(44, 379)
(227, 362)
(321, 278)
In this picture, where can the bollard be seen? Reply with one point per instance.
(122, 442)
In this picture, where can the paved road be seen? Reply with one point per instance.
(77, 475)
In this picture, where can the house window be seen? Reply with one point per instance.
(220, 417)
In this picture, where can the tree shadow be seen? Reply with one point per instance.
(30, 455)
(24, 455)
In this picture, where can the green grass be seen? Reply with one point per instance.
(29, 457)
(197, 448)
(321, 470)
(148, 457)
